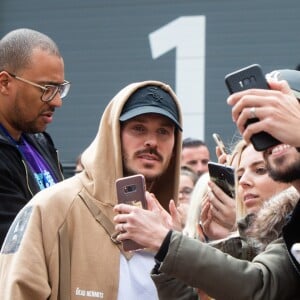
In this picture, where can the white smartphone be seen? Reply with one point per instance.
(219, 143)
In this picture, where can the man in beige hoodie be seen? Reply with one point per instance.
(66, 240)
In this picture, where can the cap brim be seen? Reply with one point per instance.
(148, 110)
(291, 76)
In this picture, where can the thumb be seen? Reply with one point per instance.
(281, 86)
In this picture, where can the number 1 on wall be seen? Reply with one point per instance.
(187, 35)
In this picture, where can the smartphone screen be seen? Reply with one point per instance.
(223, 176)
(131, 190)
(247, 78)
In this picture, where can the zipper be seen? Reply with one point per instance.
(27, 177)
(59, 166)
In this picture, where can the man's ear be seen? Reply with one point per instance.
(4, 82)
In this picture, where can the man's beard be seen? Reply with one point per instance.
(128, 171)
(287, 175)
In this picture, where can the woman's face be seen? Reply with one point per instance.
(186, 186)
(254, 184)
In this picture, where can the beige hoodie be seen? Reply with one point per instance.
(62, 250)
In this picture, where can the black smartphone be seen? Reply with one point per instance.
(248, 78)
(131, 190)
(219, 143)
(223, 176)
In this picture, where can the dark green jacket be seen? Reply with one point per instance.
(270, 275)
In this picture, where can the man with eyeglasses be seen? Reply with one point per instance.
(32, 86)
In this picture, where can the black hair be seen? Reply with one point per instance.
(192, 142)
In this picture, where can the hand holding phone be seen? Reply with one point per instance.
(248, 78)
(223, 176)
(131, 190)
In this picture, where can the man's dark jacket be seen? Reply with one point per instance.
(291, 234)
(17, 183)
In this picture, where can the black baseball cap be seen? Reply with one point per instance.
(150, 99)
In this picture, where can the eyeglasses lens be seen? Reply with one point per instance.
(51, 91)
(64, 89)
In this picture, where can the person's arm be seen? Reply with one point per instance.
(222, 276)
(277, 109)
(168, 287)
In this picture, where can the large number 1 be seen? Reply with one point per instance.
(187, 35)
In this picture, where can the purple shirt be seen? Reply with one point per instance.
(40, 168)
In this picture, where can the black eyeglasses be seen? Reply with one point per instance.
(49, 90)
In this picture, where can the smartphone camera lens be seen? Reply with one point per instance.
(130, 188)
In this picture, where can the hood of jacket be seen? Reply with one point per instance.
(102, 160)
(266, 226)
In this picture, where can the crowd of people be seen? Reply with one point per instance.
(62, 238)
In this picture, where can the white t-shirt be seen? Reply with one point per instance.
(135, 281)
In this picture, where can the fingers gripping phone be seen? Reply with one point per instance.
(219, 143)
(223, 176)
(131, 190)
(248, 78)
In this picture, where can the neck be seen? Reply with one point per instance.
(149, 185)
(15, 134)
